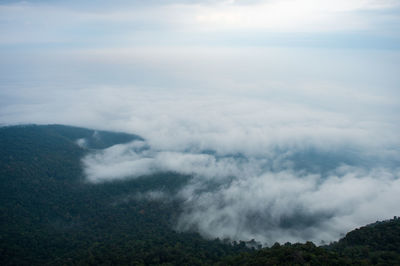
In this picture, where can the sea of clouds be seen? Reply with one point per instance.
(282, 144)
(291, 161)
(271, 193)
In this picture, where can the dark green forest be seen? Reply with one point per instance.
(49, 214)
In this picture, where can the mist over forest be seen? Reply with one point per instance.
(279, 119)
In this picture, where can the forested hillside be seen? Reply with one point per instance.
(49, 214)
(374, 244)
(377, 243)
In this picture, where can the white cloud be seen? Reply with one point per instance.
(274, 196)
(289, 206)
(272, 170)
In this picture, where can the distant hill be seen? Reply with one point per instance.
(377, 243)
(49, 214)
(373, 244)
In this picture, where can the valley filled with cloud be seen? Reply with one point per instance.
(285, 114)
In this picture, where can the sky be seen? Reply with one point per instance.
(287, 111)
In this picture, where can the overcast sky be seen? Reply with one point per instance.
(299, 100)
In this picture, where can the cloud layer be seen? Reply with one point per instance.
(281, 194)
(286, 113)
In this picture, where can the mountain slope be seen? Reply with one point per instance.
(50, 215)
(377, 243)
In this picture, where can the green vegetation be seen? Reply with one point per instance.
(374, 244)
(49, 215)
(377, 243)
(291, 254)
